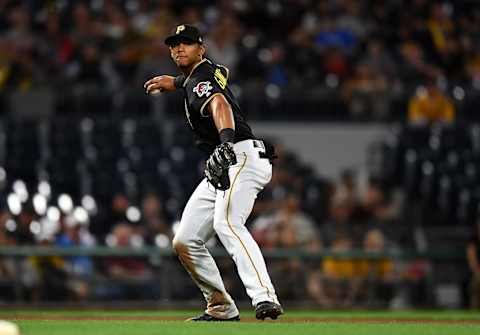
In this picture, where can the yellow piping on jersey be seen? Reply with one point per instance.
(226, 70)
(220, 78)
(231, 227)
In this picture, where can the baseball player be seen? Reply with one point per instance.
(238, 168)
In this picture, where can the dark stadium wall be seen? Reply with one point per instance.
(330, 147)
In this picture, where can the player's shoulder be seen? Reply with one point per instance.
(205, 69)
(210, 71)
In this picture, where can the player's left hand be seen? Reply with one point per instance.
(216, 170)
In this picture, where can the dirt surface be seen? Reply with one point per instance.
(246, 319)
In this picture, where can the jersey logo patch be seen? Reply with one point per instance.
(203, 88)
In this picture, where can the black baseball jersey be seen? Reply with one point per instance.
(204, 82)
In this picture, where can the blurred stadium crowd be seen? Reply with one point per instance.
(87, 159)
(359, 59)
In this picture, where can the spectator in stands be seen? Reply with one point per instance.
(374, 206)
(7, 265)
(473, 258)
(22, 70)
(414, 66)
(347, 282)
(300, 71)
(85, 27)
(80, 269)
(154, 21)
(440, 28)
(87, 68)
(16, 273)
(341, 209)
(379, 59)
(367, 93)
(331, 35)
(129, 48)
(430, 105)
(473, 71)
(116, 213)
(127, 277)
(23, 234)
(376, 276)
(156, 61)
(55, 47)
(335, 284)
(351, 19)
(289, 228)
(154, 222)
(52, 281)
(222, 42)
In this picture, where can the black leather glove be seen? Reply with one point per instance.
(216, 169)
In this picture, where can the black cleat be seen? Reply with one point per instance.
(208, 317)
(268, 309)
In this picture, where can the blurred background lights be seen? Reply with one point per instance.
(40, 204)
(20, 189)
(162, 241)
(53, 213)
(331, 80)
(80, 215)
(265, 55)
(272, 91)
(458, 93)
(44, 189)
(88, 202)
(10, 225)
(49, 228)
(133, 214)
(111, 240)
(65, 203)
(14, 204)
(137, 241)
(35, 227)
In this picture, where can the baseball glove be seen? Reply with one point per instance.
(216, 169)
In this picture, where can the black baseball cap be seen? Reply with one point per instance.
(184, 32)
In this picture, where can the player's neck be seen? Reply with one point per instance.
(187, 70)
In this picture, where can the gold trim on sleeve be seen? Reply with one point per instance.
(206, 102)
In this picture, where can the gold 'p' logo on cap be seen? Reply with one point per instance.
(180, 29)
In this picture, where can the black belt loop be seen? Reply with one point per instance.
(259, 144)
(268, 150)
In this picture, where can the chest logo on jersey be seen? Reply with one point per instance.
(203, 88)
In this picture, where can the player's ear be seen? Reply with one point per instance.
(202, 50)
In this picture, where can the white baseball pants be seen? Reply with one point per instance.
(209, 211)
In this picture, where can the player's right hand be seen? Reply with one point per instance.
(159, 84)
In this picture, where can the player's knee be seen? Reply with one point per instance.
(182, 243)
(226, 226)
(179, 244)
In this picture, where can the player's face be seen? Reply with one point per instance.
(185, 53)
